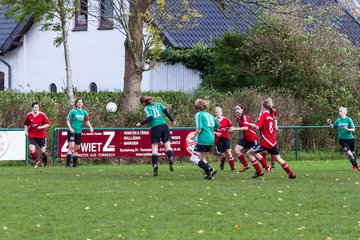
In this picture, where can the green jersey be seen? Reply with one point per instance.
(340, 123)
(76, 118)
(155, 110)
(207, 123)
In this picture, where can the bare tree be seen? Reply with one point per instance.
(54, 15)
(142, 22)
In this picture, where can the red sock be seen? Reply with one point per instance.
(287, 169)
(264, 162)
(272, 159)
(34, 156)
(264, 155)
(231, 163)
(242, 159)
(256, 166)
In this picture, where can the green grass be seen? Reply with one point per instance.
(126, 202)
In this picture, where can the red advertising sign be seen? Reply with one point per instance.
(118, 143)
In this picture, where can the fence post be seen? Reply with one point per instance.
(54, 146)
(296, 144)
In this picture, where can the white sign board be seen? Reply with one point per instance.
(12, 145)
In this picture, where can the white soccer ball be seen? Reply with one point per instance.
(111, 107)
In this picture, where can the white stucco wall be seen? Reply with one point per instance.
(95, 56)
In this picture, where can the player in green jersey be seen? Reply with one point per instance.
(346, 128)
(159, 130)
(205, 125)
(74, 122)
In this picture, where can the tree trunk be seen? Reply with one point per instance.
(134, 57)
(69, 84)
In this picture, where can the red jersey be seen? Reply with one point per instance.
(267, 130)
(33, 122)
(223, 129)
(248, 135)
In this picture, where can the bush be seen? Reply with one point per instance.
(291, 112)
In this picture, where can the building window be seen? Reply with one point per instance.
(106, 15)
(53, 88)
(2, 81)
(81, 15)
(93, 87)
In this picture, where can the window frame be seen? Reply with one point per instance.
(105, 21)
(81, 8)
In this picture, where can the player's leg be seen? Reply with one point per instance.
(251, 155)
(71, 146)
(284, 165)
(228, 154)
(155, 141)
(238, 148)
(32, 151)
(42, 145)
(76, 149)
(347, 147)
(220, 149)
(210, 172)
(166, 137)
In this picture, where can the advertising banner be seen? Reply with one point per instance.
(121, 143)
(12, 145)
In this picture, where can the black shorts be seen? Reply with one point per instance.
(222, 145)
(257, 148)
(39, 141)
(160, 133)
(246, 144)
(347, 144)
(74, 137)
(202, 148)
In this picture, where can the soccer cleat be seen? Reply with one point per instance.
(358, 168)
(355, 168)
(155, 170)
(292, 176)
(46, 166)
(222, 165)
(171, 164)
(257, 174)
(268, 168)
(244, 168)
(211, 175)
(36, 164)
(233, 169)
(272, 165)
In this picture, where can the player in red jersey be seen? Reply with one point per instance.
(222, 139)
(248, 140)
(35, 124)
(274, 114)
(268, 140)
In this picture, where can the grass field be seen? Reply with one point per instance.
(127, 202)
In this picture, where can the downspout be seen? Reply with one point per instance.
(9, 67)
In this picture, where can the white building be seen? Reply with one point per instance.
(30, 62)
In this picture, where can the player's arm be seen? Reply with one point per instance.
(253, 125)
(276, 123)
(46, 122)
(352, 127)
(87, 122)
(44, 126)
(240, 128)
(196, 133)
(329, 122)
(26, 130)
(69, 126)
(170, 117)
(147, 120)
